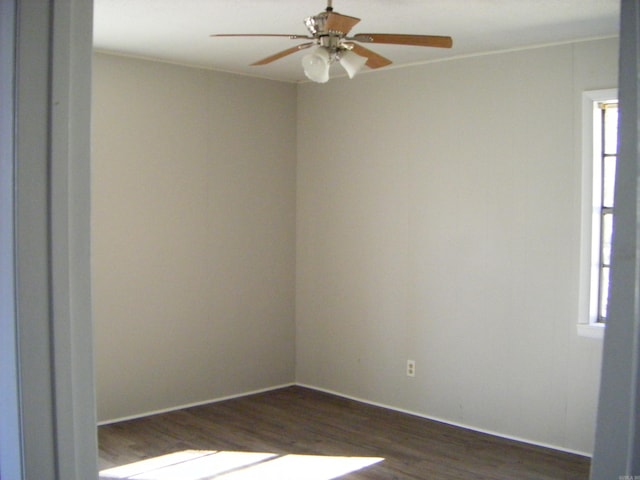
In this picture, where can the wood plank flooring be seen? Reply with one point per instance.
(298, 421)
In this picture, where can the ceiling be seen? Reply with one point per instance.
(177, 31)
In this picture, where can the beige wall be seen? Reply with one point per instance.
(193, 235)
(439, 221)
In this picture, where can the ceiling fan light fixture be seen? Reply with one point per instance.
(329, 31)
(316, 65)
(351, 62)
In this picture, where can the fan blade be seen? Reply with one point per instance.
(336, 22)
(283, 53)
(399, 39)
(293, 36)
(374, 60)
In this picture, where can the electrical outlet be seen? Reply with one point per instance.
(411, 368)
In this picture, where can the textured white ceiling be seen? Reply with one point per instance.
(178, 30)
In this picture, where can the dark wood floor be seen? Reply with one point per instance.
(300, 421)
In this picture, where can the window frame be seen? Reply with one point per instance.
(588, 320)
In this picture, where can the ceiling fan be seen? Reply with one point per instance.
(328, 31)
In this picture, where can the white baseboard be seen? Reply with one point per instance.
(448, 422)
(194, 404)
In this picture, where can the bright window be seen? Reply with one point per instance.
(606, 160)
(600, 154)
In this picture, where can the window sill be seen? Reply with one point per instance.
(593, 330)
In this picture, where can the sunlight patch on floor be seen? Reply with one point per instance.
(223, 465)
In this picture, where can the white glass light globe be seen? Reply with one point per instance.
(352, 62)
(316, 65)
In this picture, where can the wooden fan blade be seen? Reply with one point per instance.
(293, 36)
(374, 60)
(336, 22)
(399, 39)
(283, 53)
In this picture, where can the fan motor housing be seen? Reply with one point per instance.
(317, 24)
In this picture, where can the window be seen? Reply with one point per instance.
(600, 154)
(604, 194)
